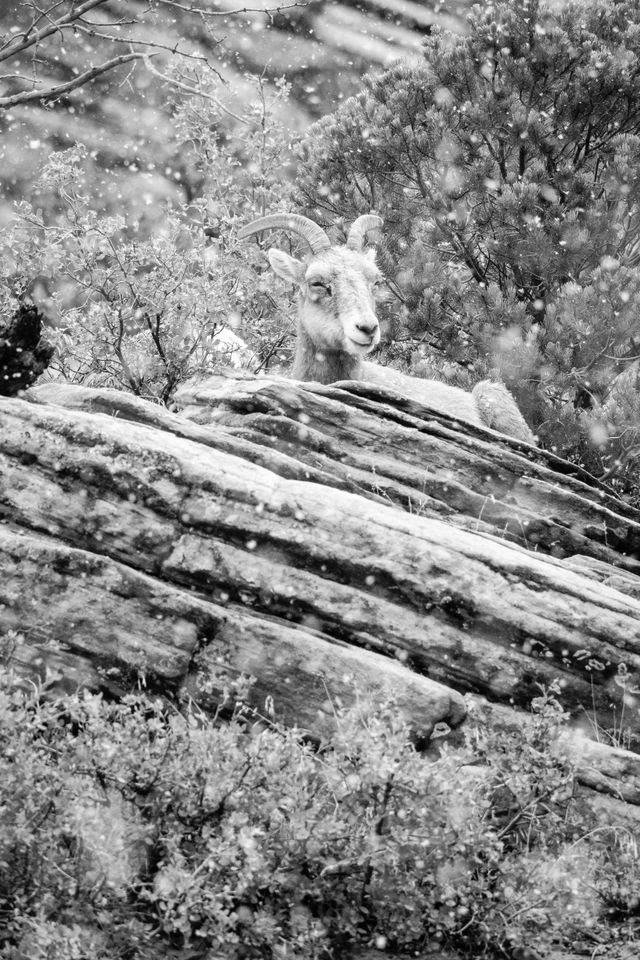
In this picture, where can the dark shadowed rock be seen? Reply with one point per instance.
(24, 353)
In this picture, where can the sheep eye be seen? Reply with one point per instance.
(319, 287)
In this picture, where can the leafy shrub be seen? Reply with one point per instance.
(138, 305)
(135, 830)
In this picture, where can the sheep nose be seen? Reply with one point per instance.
(368, 329)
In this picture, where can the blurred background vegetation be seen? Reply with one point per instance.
(322, 47)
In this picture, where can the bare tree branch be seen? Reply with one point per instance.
(53, 27)
(186, 8)
(57, 91)
(154, 44)
(49, 26)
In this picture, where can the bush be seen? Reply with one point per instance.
(506, 167)
(135, 830)
(138, 305)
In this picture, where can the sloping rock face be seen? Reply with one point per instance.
(327, 541)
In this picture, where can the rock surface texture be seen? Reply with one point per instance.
(325, 540)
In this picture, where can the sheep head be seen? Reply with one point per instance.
(336, 283)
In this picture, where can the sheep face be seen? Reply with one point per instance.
(337, 297)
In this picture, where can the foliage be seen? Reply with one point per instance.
(506, 168)
(95, 37)
(135, 830)
(142, 311)
(123, 115)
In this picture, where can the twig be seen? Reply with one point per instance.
(55, 92)
(230, 13)
(194, 91)
(54, 27)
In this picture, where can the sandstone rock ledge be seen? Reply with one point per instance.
(325, 540)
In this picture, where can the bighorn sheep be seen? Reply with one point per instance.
(338, 327)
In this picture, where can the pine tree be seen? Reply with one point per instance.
(506, 166)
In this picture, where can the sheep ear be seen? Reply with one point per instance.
(286, 267)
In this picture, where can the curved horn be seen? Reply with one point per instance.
(359, 229)
(305, 228)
